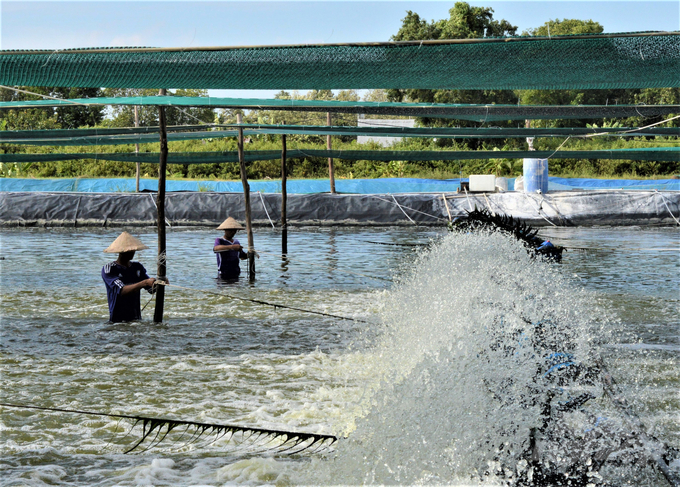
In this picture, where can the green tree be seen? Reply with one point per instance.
(563, 27)
(49, 117)
(413, 28)
(571, 97)
(656, 96)
(464, 22)
(124, 115)
(74, 117)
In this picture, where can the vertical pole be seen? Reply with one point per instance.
(331, 173)
(137, 152)
(246, 195)
(160, 203)
(284, 198)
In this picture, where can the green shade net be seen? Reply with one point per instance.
(595, 61)
(66, 133)
(476, 113)
(651, 154)
(80, 137)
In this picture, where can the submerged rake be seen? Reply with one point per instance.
(291, 440)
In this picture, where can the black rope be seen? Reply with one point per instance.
(395, 244)
(275, 305)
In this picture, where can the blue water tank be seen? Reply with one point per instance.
(535, 175)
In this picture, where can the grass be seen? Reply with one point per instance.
(318, 167)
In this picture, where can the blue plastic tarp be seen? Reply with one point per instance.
(584, 183)
(294, 186)
(307, 186)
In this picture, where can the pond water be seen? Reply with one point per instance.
(404, 388)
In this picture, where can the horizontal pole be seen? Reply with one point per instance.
(347, 44)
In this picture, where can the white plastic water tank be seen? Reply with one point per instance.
(482, 183)
(519, 183)
(536, 175)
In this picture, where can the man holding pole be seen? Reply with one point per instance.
(228, 250)
(124, 279)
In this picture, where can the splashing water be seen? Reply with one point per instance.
(456, 381)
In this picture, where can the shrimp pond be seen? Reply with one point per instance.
(412, 389)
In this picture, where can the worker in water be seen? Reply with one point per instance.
(228, 250)
(124, 279)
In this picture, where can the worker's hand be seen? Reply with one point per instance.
(238, 247)
(163, 279)
(149, 282)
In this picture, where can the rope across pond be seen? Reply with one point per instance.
(265, 303)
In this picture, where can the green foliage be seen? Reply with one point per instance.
(284, 117)
(50, 118)
(590, 97)
(124, 116)
(317, 167)
(605, 124)
(563, 27)
(464, 22)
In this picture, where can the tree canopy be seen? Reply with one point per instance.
(50, 118)
(124, 116)
(464, 22)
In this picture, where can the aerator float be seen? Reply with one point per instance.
(483, 220)
(571, 442)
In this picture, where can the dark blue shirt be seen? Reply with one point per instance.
(228, 261)
(123, 308)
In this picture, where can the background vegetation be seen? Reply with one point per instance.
(464, 21)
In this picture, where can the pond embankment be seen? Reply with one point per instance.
(559, 208)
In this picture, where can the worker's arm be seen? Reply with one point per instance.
(128, 288)
(224, 248)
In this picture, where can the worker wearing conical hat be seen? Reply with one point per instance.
(228, 250)
(124, 279)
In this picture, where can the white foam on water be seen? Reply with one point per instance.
(449, 387)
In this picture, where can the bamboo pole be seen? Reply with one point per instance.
(331, 174)
(434, 42)
(160, 203)
(284, 198)
(246, 195)
(137, 152)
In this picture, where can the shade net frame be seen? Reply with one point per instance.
(645, 154)
(586, 61)
(470, 112)
(145, 135)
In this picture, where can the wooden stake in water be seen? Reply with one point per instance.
(246, 195)
(331, 172)
(284, 198)
(160, 203)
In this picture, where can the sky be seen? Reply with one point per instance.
(62, 24)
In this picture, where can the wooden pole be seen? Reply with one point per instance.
(331, 173)
(284, 198)
(246, 195)
(160, 203)
(137, 152)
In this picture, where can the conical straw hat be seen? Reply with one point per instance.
(125, 243)
(230, 224)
